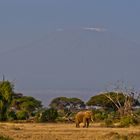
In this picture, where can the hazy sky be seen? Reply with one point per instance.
(69, 44)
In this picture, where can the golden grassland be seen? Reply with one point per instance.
(60, 131)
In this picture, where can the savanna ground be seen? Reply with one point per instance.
(59, 131)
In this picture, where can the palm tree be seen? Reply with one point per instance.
(6, 91)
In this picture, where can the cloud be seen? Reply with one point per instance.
(95, 29)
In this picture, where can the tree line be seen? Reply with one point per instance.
(110, 104)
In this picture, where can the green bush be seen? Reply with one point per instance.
(22, 115)
(97, 116)
(100, 116)
(112, 114)
(104, 115)
(11, 115)
(48, 115)
(127, 121)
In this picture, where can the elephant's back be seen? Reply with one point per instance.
(79, 116)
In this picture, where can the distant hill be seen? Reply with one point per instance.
(73, 59)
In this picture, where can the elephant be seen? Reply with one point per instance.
(83, 117)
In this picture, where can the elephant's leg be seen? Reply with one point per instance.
(87, 120)
(77, 124)
(84, 121)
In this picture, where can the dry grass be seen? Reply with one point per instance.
(34, 131)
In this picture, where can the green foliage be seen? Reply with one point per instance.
(99, 115)
(67, 105)
(11, 115)
(106, 118)
(22, 115)
(26, 103)
(114, 115)
(48, 115)
(102, 101)
(137, 111)
(67, 118)
(127, 121)
(6, 91)
(16, 106)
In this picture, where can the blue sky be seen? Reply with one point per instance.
(34, 33)
(34, 16)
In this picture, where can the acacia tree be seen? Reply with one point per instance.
(67, 105)
(101, 100)
(6, 91)
(116, 101)
(130, 98)
(25, 103)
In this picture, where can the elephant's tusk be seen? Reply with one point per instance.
(92, 120)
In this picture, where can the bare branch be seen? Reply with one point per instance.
(118, 100)
(108, 96)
